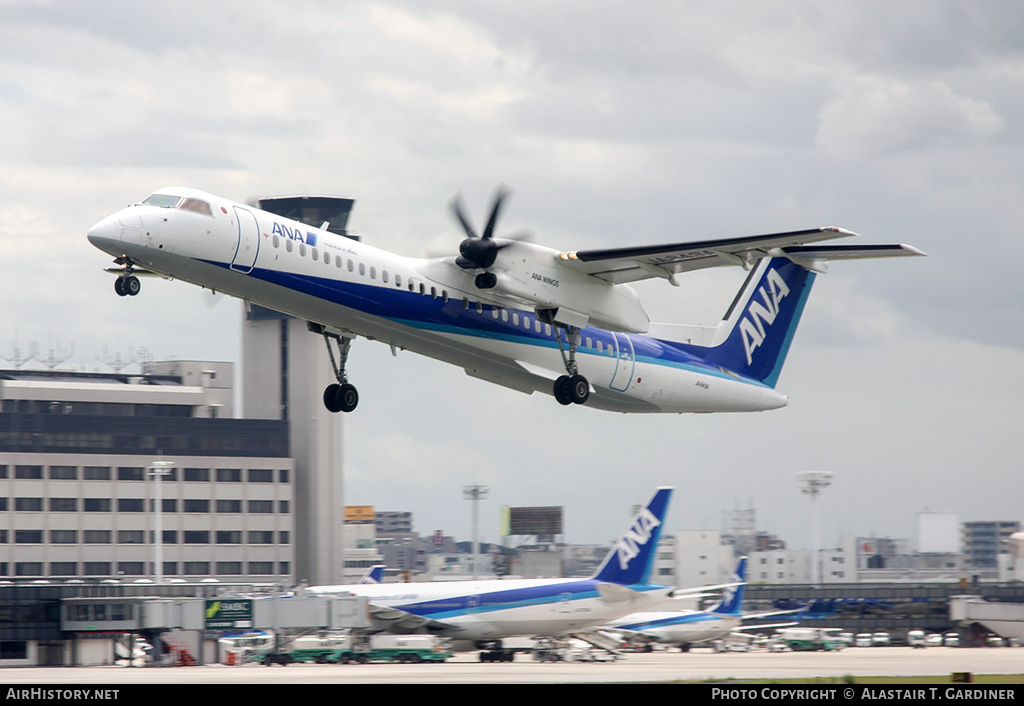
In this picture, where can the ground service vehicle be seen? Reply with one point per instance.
(811, 639)
(353, 648)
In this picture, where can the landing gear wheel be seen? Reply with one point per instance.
(348, 396)
(132, 286)
(341, 398)
(579, 389)
(562, 392)
(331, 398)
(119, 287)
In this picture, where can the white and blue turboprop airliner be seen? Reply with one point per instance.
(484, 612)
(507, 311)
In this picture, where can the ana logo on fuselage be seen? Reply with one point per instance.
(761, 314)
(286, 231)
(636, 537)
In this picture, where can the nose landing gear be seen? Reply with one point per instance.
(126, 284)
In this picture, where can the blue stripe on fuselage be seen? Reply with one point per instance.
(424, 312)
(681, 619)
(454, 606)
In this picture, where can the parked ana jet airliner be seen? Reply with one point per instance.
(686, 627)
(683, 627)
(484, 612)
(507, 311)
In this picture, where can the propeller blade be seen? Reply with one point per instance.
(456, 206)
(479, 251)
(499, 199)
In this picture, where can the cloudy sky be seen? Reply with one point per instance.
(615, 124)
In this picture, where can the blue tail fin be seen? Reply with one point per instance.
(375, 574)
(732, 598)
(755, 335)
(631, 559)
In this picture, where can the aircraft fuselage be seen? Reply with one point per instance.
(428, 306)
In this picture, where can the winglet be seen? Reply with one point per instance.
(631, 559)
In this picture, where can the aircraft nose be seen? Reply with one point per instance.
(106, 233)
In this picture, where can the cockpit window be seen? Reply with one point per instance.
(197, 206)
(163, 200)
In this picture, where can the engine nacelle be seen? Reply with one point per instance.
(534, 274)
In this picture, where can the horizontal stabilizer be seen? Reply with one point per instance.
(816, 257)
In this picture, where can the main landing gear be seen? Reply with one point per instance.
(126, 284)
(341, 396)
(572, 388)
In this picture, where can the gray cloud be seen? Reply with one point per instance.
(615, 125)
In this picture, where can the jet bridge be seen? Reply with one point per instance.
(195, 622)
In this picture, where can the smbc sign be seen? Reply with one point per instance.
(228, 614)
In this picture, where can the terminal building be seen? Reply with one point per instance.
(79, 503)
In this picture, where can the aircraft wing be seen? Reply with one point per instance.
(402, 622)
(630, 264)
(703, 591)
(138, 271)
(765, 626)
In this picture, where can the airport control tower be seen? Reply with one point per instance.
(284, 371)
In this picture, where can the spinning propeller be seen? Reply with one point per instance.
(479, 251)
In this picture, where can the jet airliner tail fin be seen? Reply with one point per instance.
(375, 574)
(754, 337)
(631, 559)
(732, 597)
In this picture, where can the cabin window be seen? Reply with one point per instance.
(465, 302)
(351, 265)
(504, 315)
(536, 325)
(433, 292)
(444, 295)
(373, 273)
(337, 261)
(162, 200)
(315, 255)
(384, 276)
(302, 249)
(362, 270)
(398, 280)
(526, 322)
(423, 289)
(277, 242)
(547, 329)
(515, 319)
(494, 312)
(479, 307)
(288, 245)
(590, 342)
(600, 346)
(196, 206)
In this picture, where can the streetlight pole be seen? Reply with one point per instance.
(813, 483)
(475, 493)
